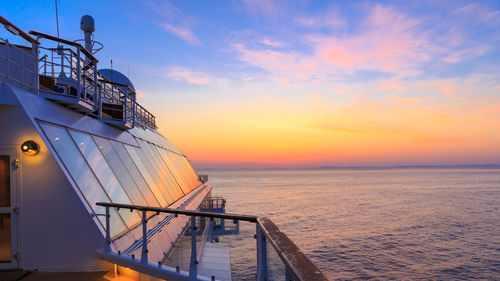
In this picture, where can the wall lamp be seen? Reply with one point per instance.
(30, 148)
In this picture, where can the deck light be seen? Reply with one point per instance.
(30, 148)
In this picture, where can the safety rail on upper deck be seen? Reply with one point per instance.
(18, 64)
(67, 73)
(296, 265)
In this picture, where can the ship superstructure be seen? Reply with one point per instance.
(88, 185)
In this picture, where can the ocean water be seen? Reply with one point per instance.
(399, 224)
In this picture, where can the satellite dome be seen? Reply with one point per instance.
(117, 77)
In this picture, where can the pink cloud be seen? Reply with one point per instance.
(272, 43)
(183, 33)
(330, 19)
(193, 77)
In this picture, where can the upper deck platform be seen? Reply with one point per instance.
(66, 73)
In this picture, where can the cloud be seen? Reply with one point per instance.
(265, 8)
(193, 77)
(175, 21)
(331, 19)
(141, 95)
(386, 40)
(183, 33)
(272, 43)
(467, 53)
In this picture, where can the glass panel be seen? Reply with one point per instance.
(105, 175)
(145, 173)
(135, 174)
(175, 172)
(5, 239)
(155, 174)
(171, 187)
(149, 161)
(4, 181)
(119, 169)
(82, 174)
(176, 185)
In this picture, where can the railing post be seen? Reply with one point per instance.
(193, 267)
(288, 275)
(99, 102)
(95, 82)
(144, 255)
(133, 114)
(7, 45)
(107, 245)
(124, 108)
(35, 73)
(78, 73)
(261, 255)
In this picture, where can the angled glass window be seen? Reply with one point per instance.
(119, 169)
(173, 169)
(171, 186)
(182, 164)
(135, 174)
(152, 183)
(81, 173)
(104, 174)
(155, 174)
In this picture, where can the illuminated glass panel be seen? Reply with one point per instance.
(5, 239)
(119, 169)
(134, 172)
(144, 169)
(82, 174)
(105, 175)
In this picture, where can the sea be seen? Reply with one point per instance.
(371, 224)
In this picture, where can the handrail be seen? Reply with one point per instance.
(298, 266)
(26, 37)
(67, 42)
(181, 212)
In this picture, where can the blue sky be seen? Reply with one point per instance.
(261, 82)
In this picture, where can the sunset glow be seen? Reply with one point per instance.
(306, 84)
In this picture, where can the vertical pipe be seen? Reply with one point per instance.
(261, 255)
(144, 255)
(107, 245)
(193, 267)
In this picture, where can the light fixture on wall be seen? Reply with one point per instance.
(30, 148)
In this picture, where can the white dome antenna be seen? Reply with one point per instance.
(87, 25)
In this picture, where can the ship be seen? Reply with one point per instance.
(91, 190)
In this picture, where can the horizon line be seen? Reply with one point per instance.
(363, 167)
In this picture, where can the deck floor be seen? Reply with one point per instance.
(215, 261)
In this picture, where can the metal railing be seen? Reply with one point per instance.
(68, 72)
(297, 266)
(18, 64)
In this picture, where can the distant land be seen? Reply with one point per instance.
(472, 166)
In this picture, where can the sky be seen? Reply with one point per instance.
(256, 83)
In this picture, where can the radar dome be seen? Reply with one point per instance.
(117, 77)
(87, 24)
